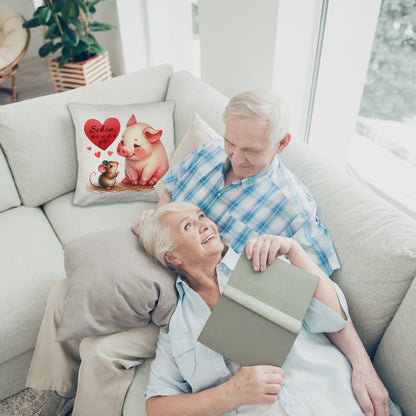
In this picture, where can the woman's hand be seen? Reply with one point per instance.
(255, 385)
(264, 249)
(141, 219)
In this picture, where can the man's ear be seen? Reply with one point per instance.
(170, 258)
(283, 143)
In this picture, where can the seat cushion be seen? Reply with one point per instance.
(70, 221)
(374, 241)
(31, 259)
(44, 127)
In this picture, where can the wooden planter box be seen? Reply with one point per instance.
(78, 74)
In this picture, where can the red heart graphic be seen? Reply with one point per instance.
(98, 154)
(102, 135)
(89, 148)
(110, 153)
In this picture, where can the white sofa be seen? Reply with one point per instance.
(376, 243)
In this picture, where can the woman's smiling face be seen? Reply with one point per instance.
(195, 236)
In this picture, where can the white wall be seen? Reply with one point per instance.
(238, 42)
(268, 44)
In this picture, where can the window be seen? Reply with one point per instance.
(383, 147)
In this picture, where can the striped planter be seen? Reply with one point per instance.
(78, 74)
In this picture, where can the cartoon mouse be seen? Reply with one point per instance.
(146, 157)
(108, 176)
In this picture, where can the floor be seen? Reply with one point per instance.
(33, 80)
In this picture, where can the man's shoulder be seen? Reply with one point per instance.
(293, 188)
(212, 150)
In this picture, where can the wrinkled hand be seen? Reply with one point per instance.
(264, 249)
(256, 385)
(371, 394)
(141, 219)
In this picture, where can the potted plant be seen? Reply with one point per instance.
(68, 33)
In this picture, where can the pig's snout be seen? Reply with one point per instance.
(122, 150)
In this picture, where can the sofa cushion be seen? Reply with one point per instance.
(31, 259)
(113, 286)
(394, 359)
(109, 138)
(9, 196)
(43, 127)
(191, 95)
(70, 221)
(374, 241)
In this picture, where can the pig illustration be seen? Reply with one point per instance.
(146, 157)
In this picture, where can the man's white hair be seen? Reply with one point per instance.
(156, 235)
(261, 104)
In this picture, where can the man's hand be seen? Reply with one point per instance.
(141, 219)
(264, 249)
(255, 385)
(370, 392)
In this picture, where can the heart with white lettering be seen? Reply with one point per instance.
(102, 135)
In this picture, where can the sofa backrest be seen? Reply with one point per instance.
(192, 95)
(9, 195)
(43, 127)
(375, 242)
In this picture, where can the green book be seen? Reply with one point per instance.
(259, 314)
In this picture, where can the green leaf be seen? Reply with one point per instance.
(58, 5)
(81, 5)
(70, 9)
(44, 15)
(66, 52)
(100, 27)
(45, 49)
(62, 61)
(70, 37)
(96, 48)
(34, 22)
(52, 32)
(77, 23)
(57, 46)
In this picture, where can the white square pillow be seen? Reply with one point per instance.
(198, 133)
(122, 151)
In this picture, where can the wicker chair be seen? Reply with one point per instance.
(14, 42)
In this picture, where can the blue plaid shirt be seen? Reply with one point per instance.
(273, 202)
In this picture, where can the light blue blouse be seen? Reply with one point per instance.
(317, 375)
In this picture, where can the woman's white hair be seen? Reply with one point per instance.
(156, 235)
(262, 104)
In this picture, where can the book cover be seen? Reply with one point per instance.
(259, 314)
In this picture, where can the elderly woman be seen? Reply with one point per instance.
(188, 378)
